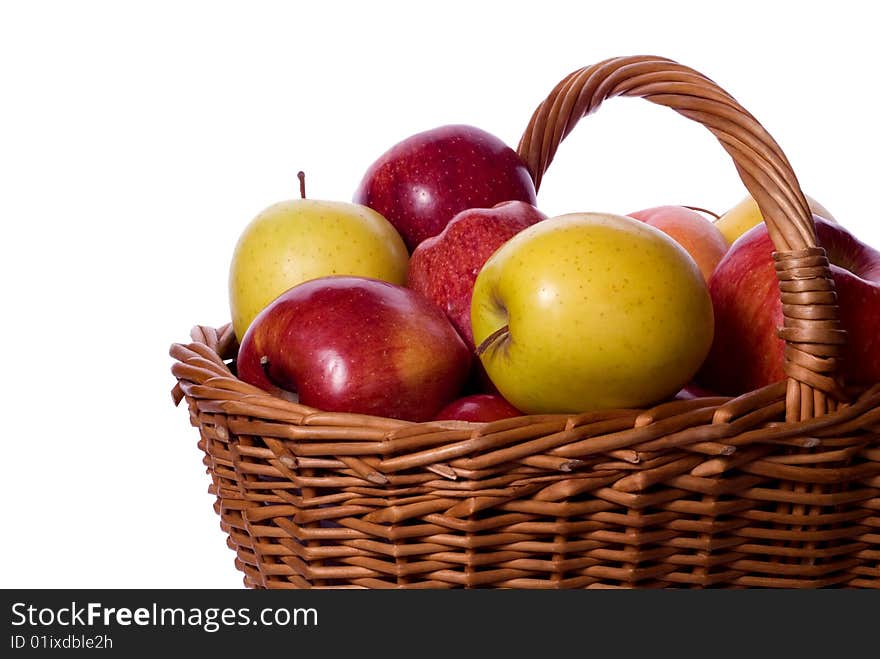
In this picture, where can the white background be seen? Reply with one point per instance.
(138, 139)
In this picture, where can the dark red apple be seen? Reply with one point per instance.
(746, 353)
(444, 267)
(478, 407)
(692, 390)
(421, 183)
(352, 344)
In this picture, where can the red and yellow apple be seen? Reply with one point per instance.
(588, 311)
(352, 344)
(698, 235)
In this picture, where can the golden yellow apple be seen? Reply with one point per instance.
(293, 241)
(746, 214)
(588, 311)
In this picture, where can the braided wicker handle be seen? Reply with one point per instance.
(811, 329)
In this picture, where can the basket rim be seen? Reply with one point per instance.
(204, 363)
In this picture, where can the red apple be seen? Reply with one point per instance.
(693, 390)
(421, 183)
(699, 236)
(443, 268)
(746, 353)
(479, 408)
(352, 344)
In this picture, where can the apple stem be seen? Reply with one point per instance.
(704, 210)
(301, 175)
(491, 339)
(264, 364)
(277, 390)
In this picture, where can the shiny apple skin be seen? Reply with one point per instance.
(746, 352)
(481, 408)
(353, 344)
(421, 183)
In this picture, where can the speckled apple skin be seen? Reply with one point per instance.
(444, 267)
(604, 311)
(352, 344)
(293, 241)
(421, 183)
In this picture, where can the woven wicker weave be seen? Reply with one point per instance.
(776, 488)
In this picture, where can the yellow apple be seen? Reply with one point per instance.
(589, 311)
(293, 241)
(746, 214)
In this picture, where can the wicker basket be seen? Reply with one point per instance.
(776, 488)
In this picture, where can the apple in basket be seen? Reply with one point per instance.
(747, 353)
(444, 267)
(699, 236)
(746, 214)
(353, 344)
(588, 311)
(479, 408)
(293, 241)
(421, 183)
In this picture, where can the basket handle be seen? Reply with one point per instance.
(811, 329)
